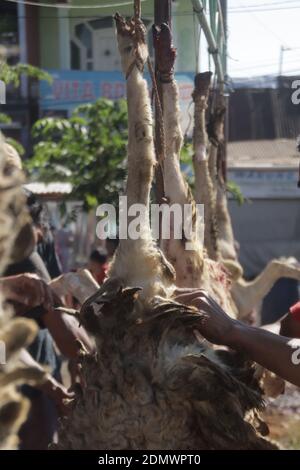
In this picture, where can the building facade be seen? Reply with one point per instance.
(77, 46)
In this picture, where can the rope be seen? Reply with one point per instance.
(160, 119)
(67, 6)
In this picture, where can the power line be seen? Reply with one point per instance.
(262, 61)
(88, 17)
(258, 5)
(267, 28)
(99, 17)
(70, 7)
(267, 64)
(297, 71)
(264, 9)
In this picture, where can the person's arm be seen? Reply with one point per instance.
(66, 332)
(279, 354)
(27, 289)
(50, 386)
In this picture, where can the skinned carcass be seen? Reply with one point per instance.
(208, 274)
(193, 266)
(246, 294)
(152, 384)
(204, 190)
(249, 294)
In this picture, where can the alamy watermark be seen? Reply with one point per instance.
(2, 92)
(2, 353)
(168, 221)
(294, 344)
(296, 93)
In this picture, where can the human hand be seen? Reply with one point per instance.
(216, 326)
(59, 394)
(28, 290)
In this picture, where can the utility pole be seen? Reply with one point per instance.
(162, 12)
(224, 9)
(283, 49)
(277, 95)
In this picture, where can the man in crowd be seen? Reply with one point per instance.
(98, 264)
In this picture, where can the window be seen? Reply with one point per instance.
(94, 45)
(9, 38)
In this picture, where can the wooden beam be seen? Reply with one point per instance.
(211, 40)
(162, 12)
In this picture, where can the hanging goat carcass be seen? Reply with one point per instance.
(246, 294)
(193, 266)
(151, 384)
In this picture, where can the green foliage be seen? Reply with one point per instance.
(12, 73)
(187, 152)
(87, 150)
(236, 192)
(19, 148)
(186, 161)
(4, 119)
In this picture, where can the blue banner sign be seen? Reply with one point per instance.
(71, 88)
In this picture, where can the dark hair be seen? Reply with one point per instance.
(99, 255)
(113, 241)
(37, 210)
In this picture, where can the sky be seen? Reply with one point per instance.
(255, 37)
(257, 31)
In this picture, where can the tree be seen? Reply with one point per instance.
(11, 75)
(87, 150)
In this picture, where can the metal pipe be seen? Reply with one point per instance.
(162, 12)
(212, 45)
(23, 46)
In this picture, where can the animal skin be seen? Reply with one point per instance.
(17, 333)
(204, 191)
(193, 267)
(246, 295)
(152, 384)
